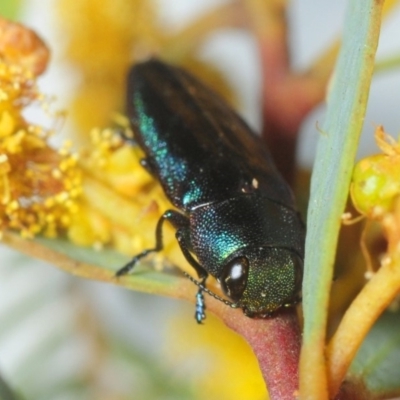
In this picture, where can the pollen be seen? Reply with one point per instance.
(39, 185)
(97, 195)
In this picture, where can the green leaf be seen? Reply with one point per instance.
(337, 146)
(144, 277)
(378, 361)
(105, 258)
(101, 265)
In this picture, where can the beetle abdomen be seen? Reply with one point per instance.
(201, 151)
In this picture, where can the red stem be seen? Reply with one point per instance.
(276, 344)
(287, 100)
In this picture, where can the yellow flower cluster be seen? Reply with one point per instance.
(38, 185)
(97, 196)
(376, 179)
(375, 191)
(120, 202)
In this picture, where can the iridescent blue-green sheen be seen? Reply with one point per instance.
(233, 204)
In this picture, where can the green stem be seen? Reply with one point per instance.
(388, 64)
(333, 166)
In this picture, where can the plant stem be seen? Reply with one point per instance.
(190, 37)
(287, 96)
(330, 182)
(375, 297)
(276, 344)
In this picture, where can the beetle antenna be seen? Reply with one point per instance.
(208, 291)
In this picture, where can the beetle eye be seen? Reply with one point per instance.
(234, 277)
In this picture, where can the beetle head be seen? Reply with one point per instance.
(262, 280)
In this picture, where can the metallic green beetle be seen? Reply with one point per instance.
(234, 214)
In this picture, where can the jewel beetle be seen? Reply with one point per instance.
(234, 215)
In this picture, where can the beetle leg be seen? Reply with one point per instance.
(183, 243)
(176, 219)
(200, 313)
